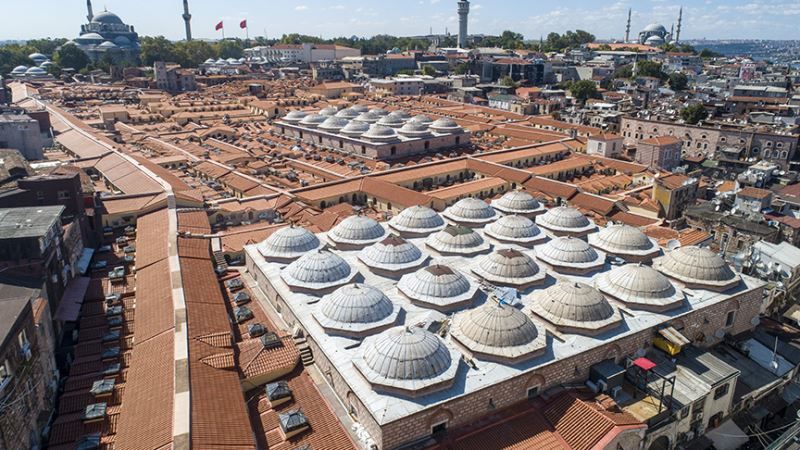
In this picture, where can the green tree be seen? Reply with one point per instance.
(625, 71)
(46, 46)
(583, 90)
(461, 69)
(157, 48)
(508, 81)
(193, 53)
(650, 69)
(70, 55)
(229, 48)
(428, 70)
(706, 53)
(694, 114)
(678, 81)
(14, 55)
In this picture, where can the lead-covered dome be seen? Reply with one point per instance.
(288, 243)
(107, 18)
(414, 129)
(333, 124)
(357, 230)
(391, 121)
(570, 255)
(294, 116)
(348, 113)
(445, 125)
(354, 129)
(329, 111)
(355, 309)
(367, 117)
(697, 267)
(516, 230)
(626, 242)
(470, 211)
(312, 120)
(438, 286)
(380, 133)
(565, 221)
(393, 254)
(407, 360)
(417, 220)
(575, 307)
(457, 240)
(509, 267)
(421, 118)
(641, 287)
(518, 202)
(318, 270)
(360, 108)
(498, 332)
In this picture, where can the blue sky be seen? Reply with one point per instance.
(712, 19)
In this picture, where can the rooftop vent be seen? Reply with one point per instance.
(255, 330)
(242, 314)
(95, 412)
(271, 340)
(293, 422)
(103, 388)
(89, 442)
(278, 392)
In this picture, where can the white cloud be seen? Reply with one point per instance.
(300, 8)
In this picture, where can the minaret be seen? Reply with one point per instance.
(188, 19)
(90, 16)
(678, 30)
(463, 15)
(671, 33)
(628, 27)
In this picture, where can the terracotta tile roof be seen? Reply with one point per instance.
(673, 181)
(661, 140)
(211, 169)
(154, 313)
(573, 163)
(550, 188)
(255, 360)
(595, 203)
(132, 204)
(468, 188)
(528, 152)
(754, 193)
(582, 426)
(151, 238)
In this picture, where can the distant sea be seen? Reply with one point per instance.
(776, 51)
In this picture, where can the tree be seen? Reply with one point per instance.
(650, 69)
(428, 70)
(706, 53)
(678, 81)
(46, 46)
(583, 90)
(193, 53)
(694, 114)
(461, 69)
(625, 71)
(155, 49)
(508, 81)
(70, 55)
(229, 48)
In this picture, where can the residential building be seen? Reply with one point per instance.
(172, 78)
(21, 132)
(606, 145)
(661, 152)
(674, 193)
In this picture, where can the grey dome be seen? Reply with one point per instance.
(517, 202)
(697, 267)
(360, 108)
(380, 112)
(421, 118)
(36, 71)
(380, 133)
(655, 41)
(640, 285)
(399, 114)
(90, 37)
(355, 128)
(515, 229)
(392, 254)
(329, 111)
(107, 18)
(318, 270)
(498, 331)
(457, 240)
(295, 116)
(122, 41)
(565, 220)
(567, 253)
(576, 306)
(624, 240)
(355, 309)
(445, 125)
(333, 123)
(417, 220)
(470, 211)
(37, 57)
(391, 121)
(509, 267)
(108, 44)
(312, 120)
(655, 28)
(414, 129)
(357, 230)
(367, 117)
(348, 113)
(437, 285)
(19, 70)
(288, 243)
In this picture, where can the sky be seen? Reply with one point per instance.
(711, 19)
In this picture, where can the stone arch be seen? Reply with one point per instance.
(660, 443)
(535, 379)
(613, 352)
(440, 415)
(352, 403)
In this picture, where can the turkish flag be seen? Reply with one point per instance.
(218, 27)
(243, 24)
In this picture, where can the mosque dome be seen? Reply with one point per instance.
(35, 71)
(570, 255)
(37, 57)
(355, 308)
(457, 240)
(354, 128)
(414, 129)
(90, 37)
(563, 220)
(400, 114)
(445, 125)
(624, 241)
(329, 111)
(421, 118)
(654, 41)
(108, 45)
(222, 62)
(312, 120)
(509, 267)
(19, 70)
(46, 64)
(655, 28)
(348, 113)
(357, 230)
(333, 124)
(470, 211)
(380, 133)
(417, 220)
(210, 61)
(515, 229)
(288, 243)
(367, 117)
(107, 18)
(437, 285)
(294, 116)
(574, 305)
(318, 270)
(393, 254)
(496, 330)
(408, 359)
(638, 285)
(697, 267)
(122, 41)
(517, 202)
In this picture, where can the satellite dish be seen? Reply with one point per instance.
(673, 244)
(719, 334)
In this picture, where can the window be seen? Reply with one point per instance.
(730, 318)
(63, 195)
(341, 144)
(533, 392)
(393, 150)
(22, 338)
(721, 391)
(40, 195)
(439, 428)
(363, 149)
(5, 373)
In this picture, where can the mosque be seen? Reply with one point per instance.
(656, 35)
(105, 34)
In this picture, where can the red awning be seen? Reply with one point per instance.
(644, 364)
(71, 301)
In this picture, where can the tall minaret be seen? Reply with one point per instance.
(678, 30)
(188, 19)
(628, 27)
(89, 16)
(463, 15)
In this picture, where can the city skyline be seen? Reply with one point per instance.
(711, 19)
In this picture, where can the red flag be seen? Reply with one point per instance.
(243, 24)
(218, 27)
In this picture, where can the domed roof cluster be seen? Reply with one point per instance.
(373, 124)
(407, 360)
(438, 286)
(697, 267)
(417, 220)
(356, 230)
(348, 113)
(445, 125)
(393, 254)
(355, 309)
(570, 255)
(518, 202)
(498, 332)
(457, 240)
(565, 221)
(625, 241)
(288, 243)
(378, 132)
(317, 271)
(640, 286)
(509, 267)
(355, 129)
(367, 117)
(329, 111)
(470, 211)
(575, 307)
(516, 230)
(333, 124)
